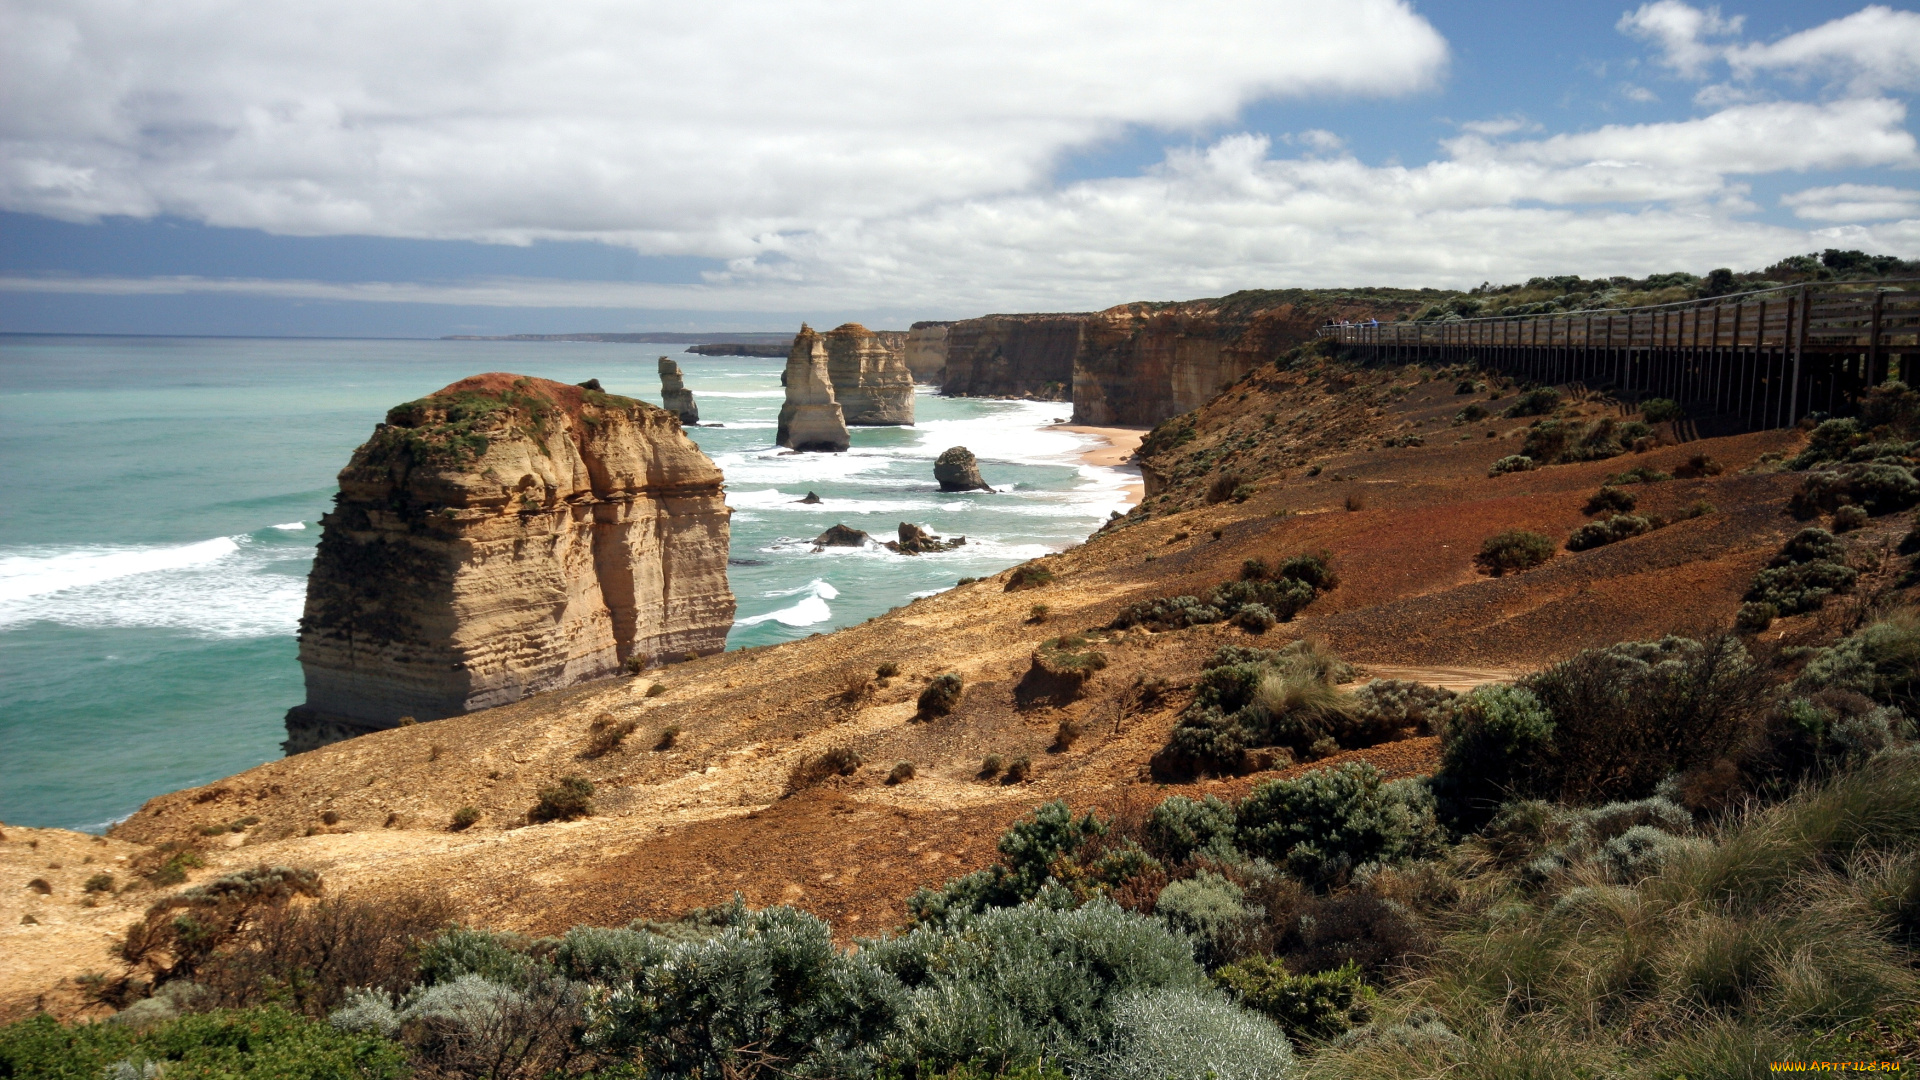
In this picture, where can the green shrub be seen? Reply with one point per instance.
(1167, 613)
(890, 669)
(940, 696)
(266, 1043)
(1255, 618)
(1223, 487)
(605, 734)
(1755, 616)
(1309, 1008)
(1384, 708)
(669, 735)
(1210, 910)
(1019, 769)
(1661, 410)
(902, 772)
(1849, 518)
(1180, 827)
(1611, 499)
(1536, 402)
(1325, 823)
(1499, 741)
(1614, 529)
(460, 951)
(463, 819)
(1470, 414)
(1880, 662)
(1028, 576)
(839, 760)
(1810, 567)
(566, 799)
(1552, 442)
(991, 765)
(98, 883)
(1832, 441)
(1027, 852)
(1878, 487)
(1513, 550)
(1187, 1035)
(1639, 474)
(1512, 463)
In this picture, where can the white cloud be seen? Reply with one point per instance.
(1873, 50)
(673, 127)
(1853, 202)
(1679, 30)
(1499, 125)
(1639, 94)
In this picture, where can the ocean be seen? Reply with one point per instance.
(162, 498)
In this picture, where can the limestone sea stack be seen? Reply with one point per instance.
(957, 470)
(674, 395)
(502, 537)
(811, 419)
(870, 378)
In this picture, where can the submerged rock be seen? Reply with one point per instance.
(810, 500)
(870, 378)
(811, 419)
(674, 395)
(841, 536)
(915, 540)
(957, 470)
(502, 537)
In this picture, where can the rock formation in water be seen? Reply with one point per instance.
(811, 419)
(870, 379)
(915, 540)
(1024, 356)
(501, 537)
(674, 395)
(926, 351)
(958, 470)
(840, 536)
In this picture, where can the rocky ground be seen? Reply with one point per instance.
(690, 821)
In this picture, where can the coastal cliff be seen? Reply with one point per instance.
(1030, 356)
(1138, 364)
(869, 375)
(501, 537)
(812, 418)
(926, 351)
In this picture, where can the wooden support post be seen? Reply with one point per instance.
(1873, 339)
(1797, 340)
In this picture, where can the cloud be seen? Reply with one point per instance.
(1873, 50)
(1853, 202)
(1679, 30)
(671, 127)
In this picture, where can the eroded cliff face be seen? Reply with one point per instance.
(811, 419)
(926, 351)
(501, 537)
(1139, 364)
(1030, 356)
(674, 395)
(869, 375)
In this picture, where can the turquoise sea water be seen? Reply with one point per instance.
(159, 500)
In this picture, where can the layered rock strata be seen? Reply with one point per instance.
(674, 395)
(926, 351)
(1026, 356)
(502, 537)
(811, 419)
(870, 379)
(957, 469)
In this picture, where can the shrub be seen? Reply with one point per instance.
(1355, 926)
(656, 689)
(1028, 576)
(834, 761)
(1499, 740)
(991, 765)
(606, 734)
(669, 735)
(1255, 618)
(1384, 708)
(1513, 550)
(1880, 662)
(1878, 487)
(474, 1027)
(1697, 466)
(1166, 613)
(1356, 501)
(566, 799)
(1020, 769)
(1536, 402)
(1186, 1035)
(1555, 441)
(1325, 823)
(1066, 735)
(940, 696)
(1179, 828)
(1810, 567)
(98, 883)
(265, 1043)
(1470, 414)
(1639, 474)
(1755, 617)
(1309, 1008)
(901, 773)
(891, 670)
(1209, 909)
(1512, 463)
(1244, 492)
(1660, 410)
(1848, 518)
(1223, 487)
(1059, 670)
(1611, 499)
(1614, 529)
(463, 819)
(1038, 613)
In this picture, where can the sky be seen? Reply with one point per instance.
(429, 167)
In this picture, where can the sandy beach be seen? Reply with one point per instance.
(1117, 454)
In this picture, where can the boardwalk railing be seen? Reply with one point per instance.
(1763, 359)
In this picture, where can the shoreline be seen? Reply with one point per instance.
(1121, 442)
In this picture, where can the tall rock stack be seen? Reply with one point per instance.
(674, 395)
(502, 537)
(926, 351)
(811, 419)
(870, 380)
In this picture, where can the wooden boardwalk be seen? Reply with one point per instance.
(1757, 360)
